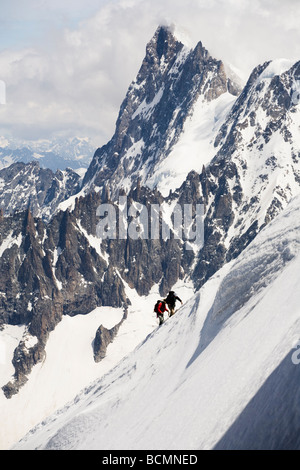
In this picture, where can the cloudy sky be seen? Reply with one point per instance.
(67, 64)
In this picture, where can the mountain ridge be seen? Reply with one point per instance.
(155, 108)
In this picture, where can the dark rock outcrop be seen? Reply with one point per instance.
(104, 337)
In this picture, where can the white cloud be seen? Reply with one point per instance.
(74, 81)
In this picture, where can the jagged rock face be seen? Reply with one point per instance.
(23, 360)
(152, 116)
(25, 278)
(261, 137)
(256, 170)
(267, 105)
(142, 263)
(47, 271)
(29, 186)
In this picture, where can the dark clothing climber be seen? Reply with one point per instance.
(171, 301)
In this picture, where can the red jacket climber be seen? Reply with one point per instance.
(160, 308)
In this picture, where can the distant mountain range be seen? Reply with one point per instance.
(57, 154)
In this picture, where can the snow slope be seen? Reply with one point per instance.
(195, 146)
(276, 421)
(191, 379)
(69, 365)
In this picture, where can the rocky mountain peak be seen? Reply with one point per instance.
(163, 45)
(171, 79)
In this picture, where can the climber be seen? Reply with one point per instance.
(171, 301)
(160, 308)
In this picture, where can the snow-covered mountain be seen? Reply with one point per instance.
(57, 154)
(179, 95)
(186, 134)
(40, 175)
(255, 171)
(30, 186)
(226, 354)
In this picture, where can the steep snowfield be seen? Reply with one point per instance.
(69, 365)
(185, 385)
(195, 145)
